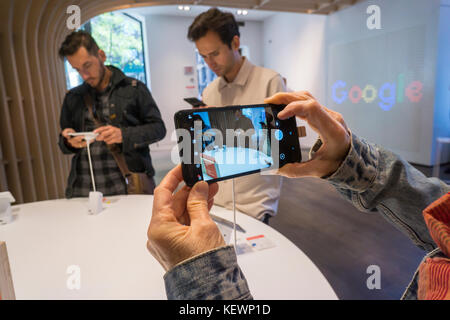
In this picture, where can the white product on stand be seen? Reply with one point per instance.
(6, 198)
(95, 197)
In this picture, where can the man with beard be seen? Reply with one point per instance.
(119, 108)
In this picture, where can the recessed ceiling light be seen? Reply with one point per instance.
(180, 7)
(239, 12)
(187, 8)
(244, 12)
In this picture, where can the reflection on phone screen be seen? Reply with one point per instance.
(235, 142)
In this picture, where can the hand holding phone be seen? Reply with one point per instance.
(181, 226)
(222, 143)
(78, 140)
(331, 127)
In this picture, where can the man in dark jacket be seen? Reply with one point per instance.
(120, 109)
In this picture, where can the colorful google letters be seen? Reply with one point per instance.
(389, 93)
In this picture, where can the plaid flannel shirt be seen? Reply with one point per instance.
(108, 177)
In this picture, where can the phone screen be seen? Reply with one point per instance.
(222, 143)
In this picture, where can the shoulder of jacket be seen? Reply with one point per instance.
(134, 84)
(129, 81)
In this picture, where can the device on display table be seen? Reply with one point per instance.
(95, 197)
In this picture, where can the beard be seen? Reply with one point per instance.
(102, 74)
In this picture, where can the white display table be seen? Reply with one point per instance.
(49, 242)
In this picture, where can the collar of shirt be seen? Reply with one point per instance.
(241, 78)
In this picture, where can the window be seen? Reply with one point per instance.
(120, 36)
(205, 74)
(73, 78)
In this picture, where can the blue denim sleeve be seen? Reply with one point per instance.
(375, 179)
(213, 275)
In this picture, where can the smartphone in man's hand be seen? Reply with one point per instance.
(194, 102)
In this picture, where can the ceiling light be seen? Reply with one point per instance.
(180, 7)
(187, 8)
(239, 12)
(244, 12)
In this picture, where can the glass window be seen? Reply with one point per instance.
(120, 36)
(73, 78)
(204, 73)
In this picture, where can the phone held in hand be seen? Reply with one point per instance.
(194, 102)
(86, 135)
(222, 143)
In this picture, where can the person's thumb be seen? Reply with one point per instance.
(197, 202)
(65, 132)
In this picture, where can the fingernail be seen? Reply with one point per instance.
(201, 187)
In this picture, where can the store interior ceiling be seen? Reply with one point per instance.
(257, 8)
(301, 6)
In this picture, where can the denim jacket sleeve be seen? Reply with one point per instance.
(213, 275)
(375, 179)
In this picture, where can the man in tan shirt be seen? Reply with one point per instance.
(239, 82)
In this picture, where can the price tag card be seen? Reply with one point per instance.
(260, 242)
(253, 244)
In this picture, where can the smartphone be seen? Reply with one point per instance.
(88, 136)
(216, 144)
(194, 102)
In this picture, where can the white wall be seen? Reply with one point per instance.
(169, 52)
(252, 37)
(406, 44)
(294, 46)
(307, 50)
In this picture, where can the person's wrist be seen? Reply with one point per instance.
(199, 277)
(196, 256)
(340, 157)
(359, 169)
(211, 245)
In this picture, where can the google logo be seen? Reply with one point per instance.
(389, 93)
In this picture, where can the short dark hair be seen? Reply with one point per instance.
(223, 23)
(78, 39)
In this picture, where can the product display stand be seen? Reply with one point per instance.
(6, 198)
(95, 197)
